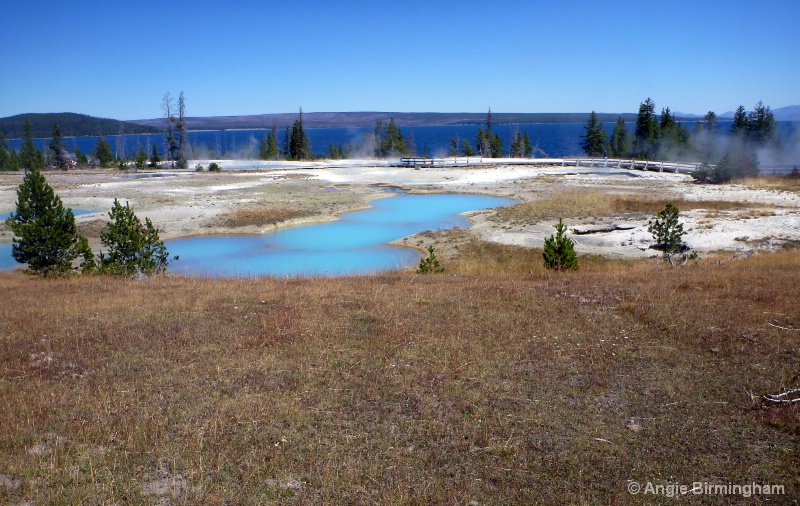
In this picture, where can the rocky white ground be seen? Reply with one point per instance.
(184, 203)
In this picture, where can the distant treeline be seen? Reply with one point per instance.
(72, 125)
(368, 119)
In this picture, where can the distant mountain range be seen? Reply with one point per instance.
(71, 125)
(78, 125)
(368, 119)
(788, 113)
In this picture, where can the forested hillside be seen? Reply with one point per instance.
(72, 125)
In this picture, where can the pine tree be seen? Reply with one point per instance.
(595, 140)
(453, 147)
(466, 148)
(263, 153)
(739, 121)
(272, 144)
(57, 150)
(559, 250)
(392, 141)
(646, 134)
(183, 146)
(668, 233)
(527, 149)
(287, 143)
(47, 238)
(141, 157)
(430, 263)
(103, 152)
(618, 146)
(761, 126)
(4, 156)
(132, 247)
(29, 156)
(155, 155)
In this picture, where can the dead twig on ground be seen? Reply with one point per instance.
(784, 398)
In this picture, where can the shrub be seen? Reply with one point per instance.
(48, 237)
(132, 247)
(430, 263)
(214, 167)
(559, 250)
(668, 234)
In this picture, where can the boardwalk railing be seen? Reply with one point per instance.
(608, 163)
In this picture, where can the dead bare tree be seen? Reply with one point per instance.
(183, 141)
(168, 108)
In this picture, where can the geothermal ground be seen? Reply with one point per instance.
(246, 197)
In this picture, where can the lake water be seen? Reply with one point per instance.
(549, 139)
(354, 244)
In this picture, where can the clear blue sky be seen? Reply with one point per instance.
(117, 58)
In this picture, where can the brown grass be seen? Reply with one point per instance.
(400, 388)
(772, 182)
(259, 216)
(577, 203)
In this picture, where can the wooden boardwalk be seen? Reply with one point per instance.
(606, 163)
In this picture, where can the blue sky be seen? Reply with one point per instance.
(117, 59)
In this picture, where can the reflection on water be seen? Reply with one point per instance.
(355, 244)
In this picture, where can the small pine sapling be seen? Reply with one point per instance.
(559, 250)
(668, 234)
(430, 263)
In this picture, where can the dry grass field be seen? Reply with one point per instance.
(476, 386)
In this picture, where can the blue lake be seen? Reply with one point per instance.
(354, 244)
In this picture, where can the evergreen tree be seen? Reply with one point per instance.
(495, 145)
(521, 145)
(646, 134)
(668, 233)
(272, 143)
(430, 263)
(141, 157)
(710, 122)
(559, 250)
(618, 146)
(46, 237)
(453, 149)
(29, 156)
(132, 247)
(739, 121)
(761, 126)
(183, 146)
(287, 143)
(527, 149)
(58, 154)
(4, 156)
(263, 149)
(299, 143)
(13, 161)
(80, 157)
(155, 155)
(674, 137)
(466, 148)
(482, 143)
(595, 140)
(103, 152)
(392, 141)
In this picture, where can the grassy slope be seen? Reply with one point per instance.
(399, 389)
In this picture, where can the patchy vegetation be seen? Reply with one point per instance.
(577, 203)
(260, 216)
(400, 388)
